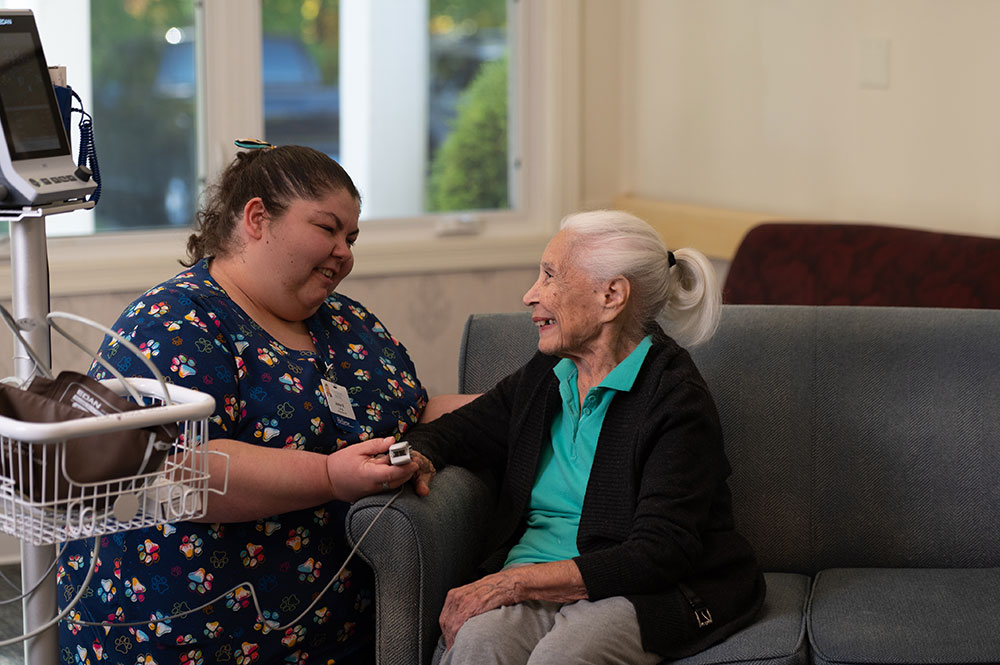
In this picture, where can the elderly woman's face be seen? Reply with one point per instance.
(565, 304)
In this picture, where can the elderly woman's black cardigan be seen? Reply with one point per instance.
(657, 524)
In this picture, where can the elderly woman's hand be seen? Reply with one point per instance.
(465, 602)
(556, 581)
(424, 475)
(363, 468)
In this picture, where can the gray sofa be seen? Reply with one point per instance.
(865, 446)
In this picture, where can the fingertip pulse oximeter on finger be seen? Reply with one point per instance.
(399, 453)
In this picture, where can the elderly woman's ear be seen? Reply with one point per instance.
(616, 296)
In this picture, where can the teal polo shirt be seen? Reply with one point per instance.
(564, 468)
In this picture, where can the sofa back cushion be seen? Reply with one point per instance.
(858, 436)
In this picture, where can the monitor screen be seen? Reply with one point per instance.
(32, 125)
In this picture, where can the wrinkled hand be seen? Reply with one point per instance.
(473, 599)
(354, 471)
(555, 581)
(426, 471)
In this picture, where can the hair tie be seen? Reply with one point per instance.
(253, 144)
(671, 261)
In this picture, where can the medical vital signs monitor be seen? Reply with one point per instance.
(36, 166)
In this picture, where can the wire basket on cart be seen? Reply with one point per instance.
(66, 479)
(41, 502)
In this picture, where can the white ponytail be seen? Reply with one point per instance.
(691, 313)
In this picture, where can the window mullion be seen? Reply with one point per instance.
(230, 93)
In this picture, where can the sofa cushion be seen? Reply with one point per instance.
(905, 615)
(777, 636)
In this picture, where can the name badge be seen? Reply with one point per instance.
(338, 400)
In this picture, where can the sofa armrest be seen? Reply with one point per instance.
(419, 549)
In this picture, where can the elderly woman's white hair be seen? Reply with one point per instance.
(685, 298)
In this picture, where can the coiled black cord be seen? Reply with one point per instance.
(88, 151)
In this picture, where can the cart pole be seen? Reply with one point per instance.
(29, 274)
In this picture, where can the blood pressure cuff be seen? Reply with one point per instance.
(48, 472)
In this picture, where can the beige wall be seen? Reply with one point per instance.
(879, 110)
(427, 312)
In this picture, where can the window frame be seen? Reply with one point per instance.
(545, 92)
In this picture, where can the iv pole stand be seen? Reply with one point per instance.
(29, 276)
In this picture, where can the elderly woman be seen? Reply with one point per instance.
(309, 388)
(613, 540)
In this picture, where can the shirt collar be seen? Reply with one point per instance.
(621, 378)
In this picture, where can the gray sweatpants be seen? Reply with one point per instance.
(603, 632)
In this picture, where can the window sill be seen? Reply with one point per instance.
(134, 262)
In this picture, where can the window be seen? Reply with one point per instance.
(160, 127)
(412, 148)
(143, 103)
(433, 135)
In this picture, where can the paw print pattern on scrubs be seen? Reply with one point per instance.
(265, 395)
